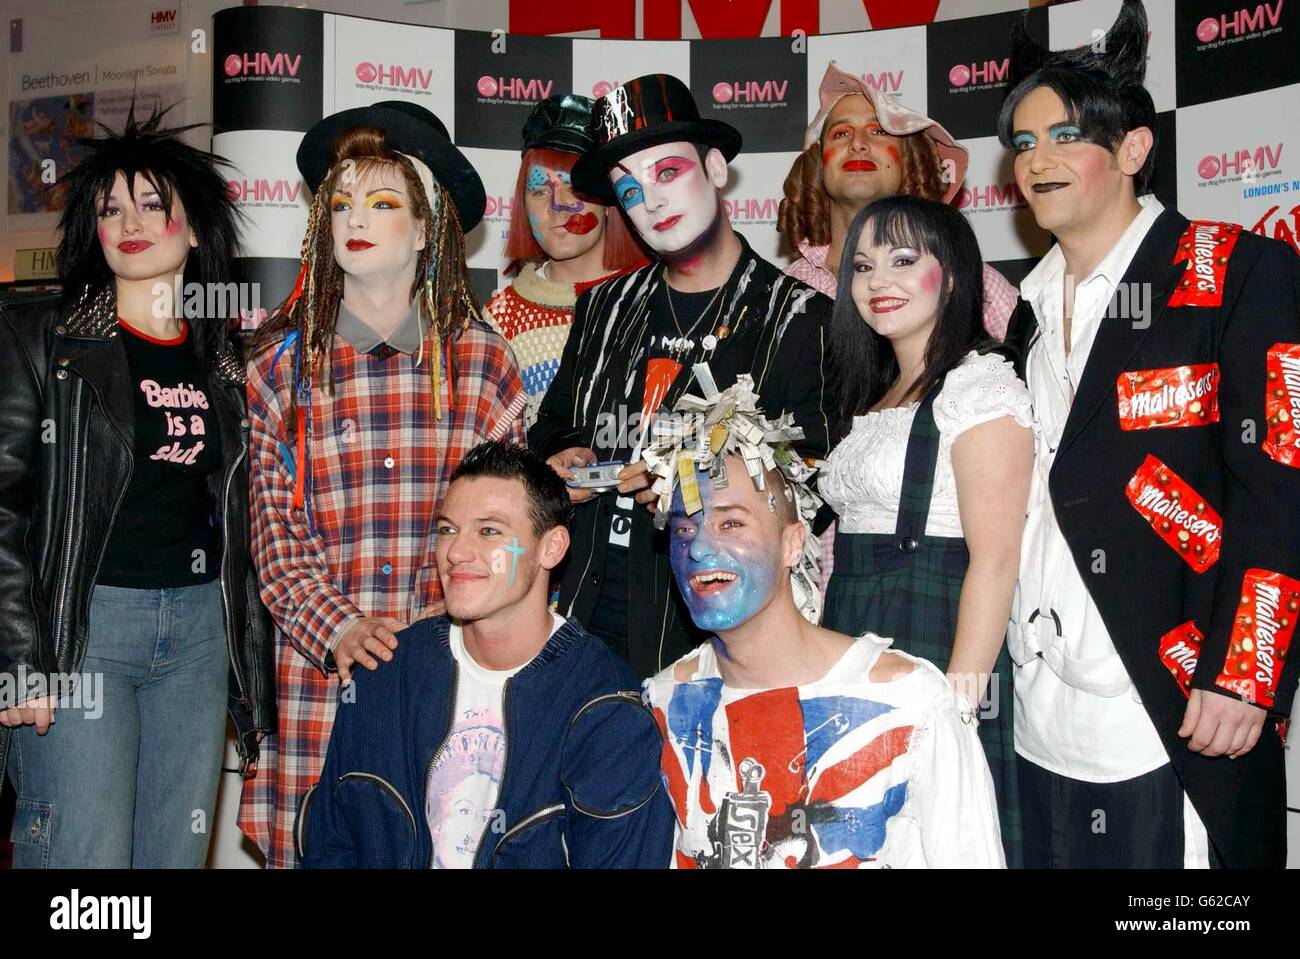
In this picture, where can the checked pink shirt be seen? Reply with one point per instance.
(379, 466)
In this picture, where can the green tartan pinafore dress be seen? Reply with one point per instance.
(907, 587)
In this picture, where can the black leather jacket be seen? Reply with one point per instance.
(66, 457)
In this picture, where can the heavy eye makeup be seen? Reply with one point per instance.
(670, 168)
(375, 201)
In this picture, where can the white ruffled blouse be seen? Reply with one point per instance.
(863, 479)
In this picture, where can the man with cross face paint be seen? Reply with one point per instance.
(706, 298)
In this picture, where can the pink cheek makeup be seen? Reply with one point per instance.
(891, 152)
(930, 281)
(172, 227)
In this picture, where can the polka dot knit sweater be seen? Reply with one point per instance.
(534, 314)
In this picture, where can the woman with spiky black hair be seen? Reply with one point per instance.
(130, 609)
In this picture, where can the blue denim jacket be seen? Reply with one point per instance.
(581, 785)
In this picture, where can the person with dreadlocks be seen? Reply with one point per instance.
(1160, 564)
(788, 745)
(124, 557)
(560, 245)
(367, 387)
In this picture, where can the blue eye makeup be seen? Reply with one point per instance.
(536, 177)
(1066, 130)
(627, 190)
(1022, 141)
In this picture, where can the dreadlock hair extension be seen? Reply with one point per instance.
(804, 213)
(1100, 85)
(175, 170)
(441, 287)
(621, 251)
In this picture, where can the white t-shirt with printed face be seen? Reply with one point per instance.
(465, 777)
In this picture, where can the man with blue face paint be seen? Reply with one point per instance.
(707, 297)
(787, 745)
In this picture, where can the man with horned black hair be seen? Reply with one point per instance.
(500, 735)
(708, 297)
(787, 745)
(1160, 569)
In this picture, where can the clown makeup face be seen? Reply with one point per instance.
(139, 239)
(375, 232)
(1068, 180)
(896, 289)
(488, 552)
(564, 226)
(731, 557)
(860, 161)
(671, 197)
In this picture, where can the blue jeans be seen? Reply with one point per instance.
(127, 774)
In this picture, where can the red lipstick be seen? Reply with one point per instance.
(668, 224)
(134, 246)
(355, 244)
(856, 165)
(886, 304)
(581, 223)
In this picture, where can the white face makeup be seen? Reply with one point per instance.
(564, 225)
(138, 239)
(896, 289)
(374, 230)
(670, 196)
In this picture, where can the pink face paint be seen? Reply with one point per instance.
(932, 278)
(581, 223)
(172, 227)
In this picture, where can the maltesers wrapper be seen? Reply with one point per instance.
(1178, 514)
(1206, 248)
(1178, 396)
(1180, 650)
(1282, 403)
(1261, 636)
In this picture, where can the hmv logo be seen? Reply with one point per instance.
(1239, 162)
(993, 196)
(886, 81)
(1242, 23)
(392, 76)
(514, 88)
(162, 17)
(754, 208)
(750, 91)
(263, 191)
(262, 65)
(980, 74)
(497, 206)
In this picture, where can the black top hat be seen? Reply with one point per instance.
(408, 128)
(645, 112)
(561, 122)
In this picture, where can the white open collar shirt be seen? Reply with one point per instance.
(1068, 730)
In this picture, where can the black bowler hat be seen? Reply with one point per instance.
(645, 112)
(561, 122)
(408, 128)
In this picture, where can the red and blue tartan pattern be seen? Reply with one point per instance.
(378, 466)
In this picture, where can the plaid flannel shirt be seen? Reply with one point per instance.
(379, 466)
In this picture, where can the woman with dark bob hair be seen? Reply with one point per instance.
(132, 624)
(931, 474)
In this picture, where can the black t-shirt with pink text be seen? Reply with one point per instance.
(163, 536)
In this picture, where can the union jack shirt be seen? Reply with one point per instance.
(364, 543)
(842, 773)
